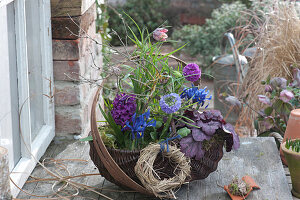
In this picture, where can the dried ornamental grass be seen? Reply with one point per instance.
(149, 178)
(279, 44)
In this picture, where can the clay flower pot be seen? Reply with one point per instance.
(293, 160)
(292, 130)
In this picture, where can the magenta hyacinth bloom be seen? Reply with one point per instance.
(170, 103)
(192, 72)
(124, 107)
(264, 99)
(159, 34)
(286, 96)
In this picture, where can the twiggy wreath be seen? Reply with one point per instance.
(149, 178)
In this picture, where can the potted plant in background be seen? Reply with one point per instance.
(291, 150)
(154, 116)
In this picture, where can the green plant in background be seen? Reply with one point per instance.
(294, 145)
(281, 98)
(146, 14)
(248, 3)
(206, 40)
(103, 29)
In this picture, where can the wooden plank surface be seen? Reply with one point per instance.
(257, 157)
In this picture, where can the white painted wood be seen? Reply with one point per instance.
(47, 61)
(34, 54)
(3, 3)
(23, 80)
(37, 137)
(9, 136)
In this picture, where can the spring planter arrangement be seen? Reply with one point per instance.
(155, 138)
(291, 150)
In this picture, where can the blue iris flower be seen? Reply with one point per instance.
(139, 124)
(197, 95)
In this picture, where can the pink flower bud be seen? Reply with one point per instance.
(296, 78)
(264, 99)
(233, 101)
(159, 34)
(278, 83)
(268, 88)
(286, 96)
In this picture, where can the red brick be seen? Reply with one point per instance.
(65, 27)
(66, 70)
(65, 50)
(192, 19)
(66, 93)
(67, 120)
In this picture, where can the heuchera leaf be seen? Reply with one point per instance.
(198, 135)
(191, 148)
(232, 140)
(211, 127)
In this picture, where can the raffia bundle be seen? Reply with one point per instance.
(148, 176)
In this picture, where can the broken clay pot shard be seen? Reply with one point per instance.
(248, 180)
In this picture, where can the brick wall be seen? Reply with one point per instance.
(187, 11)
(73, 59)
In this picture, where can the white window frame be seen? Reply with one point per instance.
(31, 151)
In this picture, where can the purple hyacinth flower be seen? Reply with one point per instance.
(286, 96)
(170, 103)
(124, 107)
(192, 72)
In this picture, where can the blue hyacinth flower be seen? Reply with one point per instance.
(139, 124)
(197, 95)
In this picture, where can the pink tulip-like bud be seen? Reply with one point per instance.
(268, 88)
(264, 99)
(286, 96)
(159, 34)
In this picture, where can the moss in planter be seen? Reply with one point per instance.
(217, 138)
(238, 187)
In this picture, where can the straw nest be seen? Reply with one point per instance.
(279, 44)
(149, 177)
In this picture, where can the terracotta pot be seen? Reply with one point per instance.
(292, 130)
(293, 160)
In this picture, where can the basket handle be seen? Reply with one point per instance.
(109, 163)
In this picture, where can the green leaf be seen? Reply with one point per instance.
(184, 131)
(158, 124)
(88, 138)
(153, 136)
(268, 111)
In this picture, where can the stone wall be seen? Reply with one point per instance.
(74, 57)
(188, 11)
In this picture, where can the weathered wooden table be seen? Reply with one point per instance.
(257, 157)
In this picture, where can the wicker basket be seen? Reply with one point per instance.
(117, 166)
